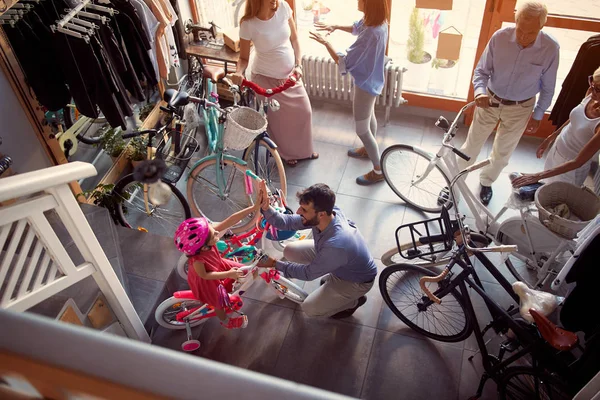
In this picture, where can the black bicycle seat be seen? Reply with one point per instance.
(175, 98)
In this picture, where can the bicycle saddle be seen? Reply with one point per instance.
(555, 336)
(175, 98)
(542, 302)
(213, 73)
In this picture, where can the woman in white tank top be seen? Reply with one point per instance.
(575, 143)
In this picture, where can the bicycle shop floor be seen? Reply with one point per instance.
(371, 355)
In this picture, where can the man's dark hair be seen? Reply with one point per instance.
(320, 195)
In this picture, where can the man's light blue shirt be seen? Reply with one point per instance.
(366, 57)
(516, 73)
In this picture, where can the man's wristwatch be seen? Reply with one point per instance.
(298, 66)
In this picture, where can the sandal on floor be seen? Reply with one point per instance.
(293, 163)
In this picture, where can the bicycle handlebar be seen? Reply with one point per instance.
(291, 81)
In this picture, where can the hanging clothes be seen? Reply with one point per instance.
(164, 14)
(576, 83)
(136, 40)
(33, 46)
(88, 82)
(179, 31)
(150, 24)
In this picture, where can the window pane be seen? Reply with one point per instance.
(580, 8)
(570, 41)
(333, 12)
(436, 76)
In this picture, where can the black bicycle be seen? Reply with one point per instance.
(439, 306)
(148, 198)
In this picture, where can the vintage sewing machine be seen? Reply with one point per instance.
(201, 34)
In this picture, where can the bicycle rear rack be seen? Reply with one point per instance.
(428, 237)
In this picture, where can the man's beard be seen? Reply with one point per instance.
(310, 222)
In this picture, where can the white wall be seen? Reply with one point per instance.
(18, 138)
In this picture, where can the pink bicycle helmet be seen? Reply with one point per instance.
(191, 235)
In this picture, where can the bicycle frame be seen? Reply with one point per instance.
(253, 273)
(485, 221)
(528, 341)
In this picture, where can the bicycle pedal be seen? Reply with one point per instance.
(510, 345)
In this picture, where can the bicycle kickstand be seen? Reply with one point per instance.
(482, 382)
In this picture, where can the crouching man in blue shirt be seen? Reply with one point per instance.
(338, 252)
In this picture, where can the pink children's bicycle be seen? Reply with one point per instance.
(184, 311)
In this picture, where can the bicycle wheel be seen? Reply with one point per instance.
(182, 267)
(528, 383)
(265, 162)
(392, 256)
(206, 200)
(446, 322)
(289, 289)
(163, 220)
(402, 165)
(167, 311)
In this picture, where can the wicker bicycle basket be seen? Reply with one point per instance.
(581, 201)
(242, 126)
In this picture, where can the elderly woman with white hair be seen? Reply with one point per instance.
(573, 145)
(518, 63)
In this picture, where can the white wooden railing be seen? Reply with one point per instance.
(35, 265)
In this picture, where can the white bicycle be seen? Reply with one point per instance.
(418, 177)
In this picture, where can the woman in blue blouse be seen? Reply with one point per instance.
(365, 61)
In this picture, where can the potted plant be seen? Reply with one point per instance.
(443, 81)
(104, 196)
(418, 73)
(305, 18)
(136, 150)
(113, 143)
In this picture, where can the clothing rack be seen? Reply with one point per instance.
(72, 13)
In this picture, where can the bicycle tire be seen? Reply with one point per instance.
(219, 207)
(458, 334)
(392, 256)
(170, 307)
(169, 220)
(268, 166)
(182, 267)
(289, 289)
(531, 384)
(391, 157)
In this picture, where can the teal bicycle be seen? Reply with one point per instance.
(216, 185)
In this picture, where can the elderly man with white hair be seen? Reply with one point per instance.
(518, 63)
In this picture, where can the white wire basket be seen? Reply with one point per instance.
(583, 204)
(242, 126)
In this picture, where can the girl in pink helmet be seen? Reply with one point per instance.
(197, 238)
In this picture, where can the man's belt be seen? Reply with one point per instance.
(505, 102)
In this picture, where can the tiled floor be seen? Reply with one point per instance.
(370, 355)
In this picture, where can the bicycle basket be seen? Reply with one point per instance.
(175, 147)
(242, 126)
(428, 237)
(581, 203)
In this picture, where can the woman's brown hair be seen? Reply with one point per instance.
(376, 12)
(252, 9)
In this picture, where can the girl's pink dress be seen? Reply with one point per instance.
(205, 290)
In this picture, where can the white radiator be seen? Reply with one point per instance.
(323, 79)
